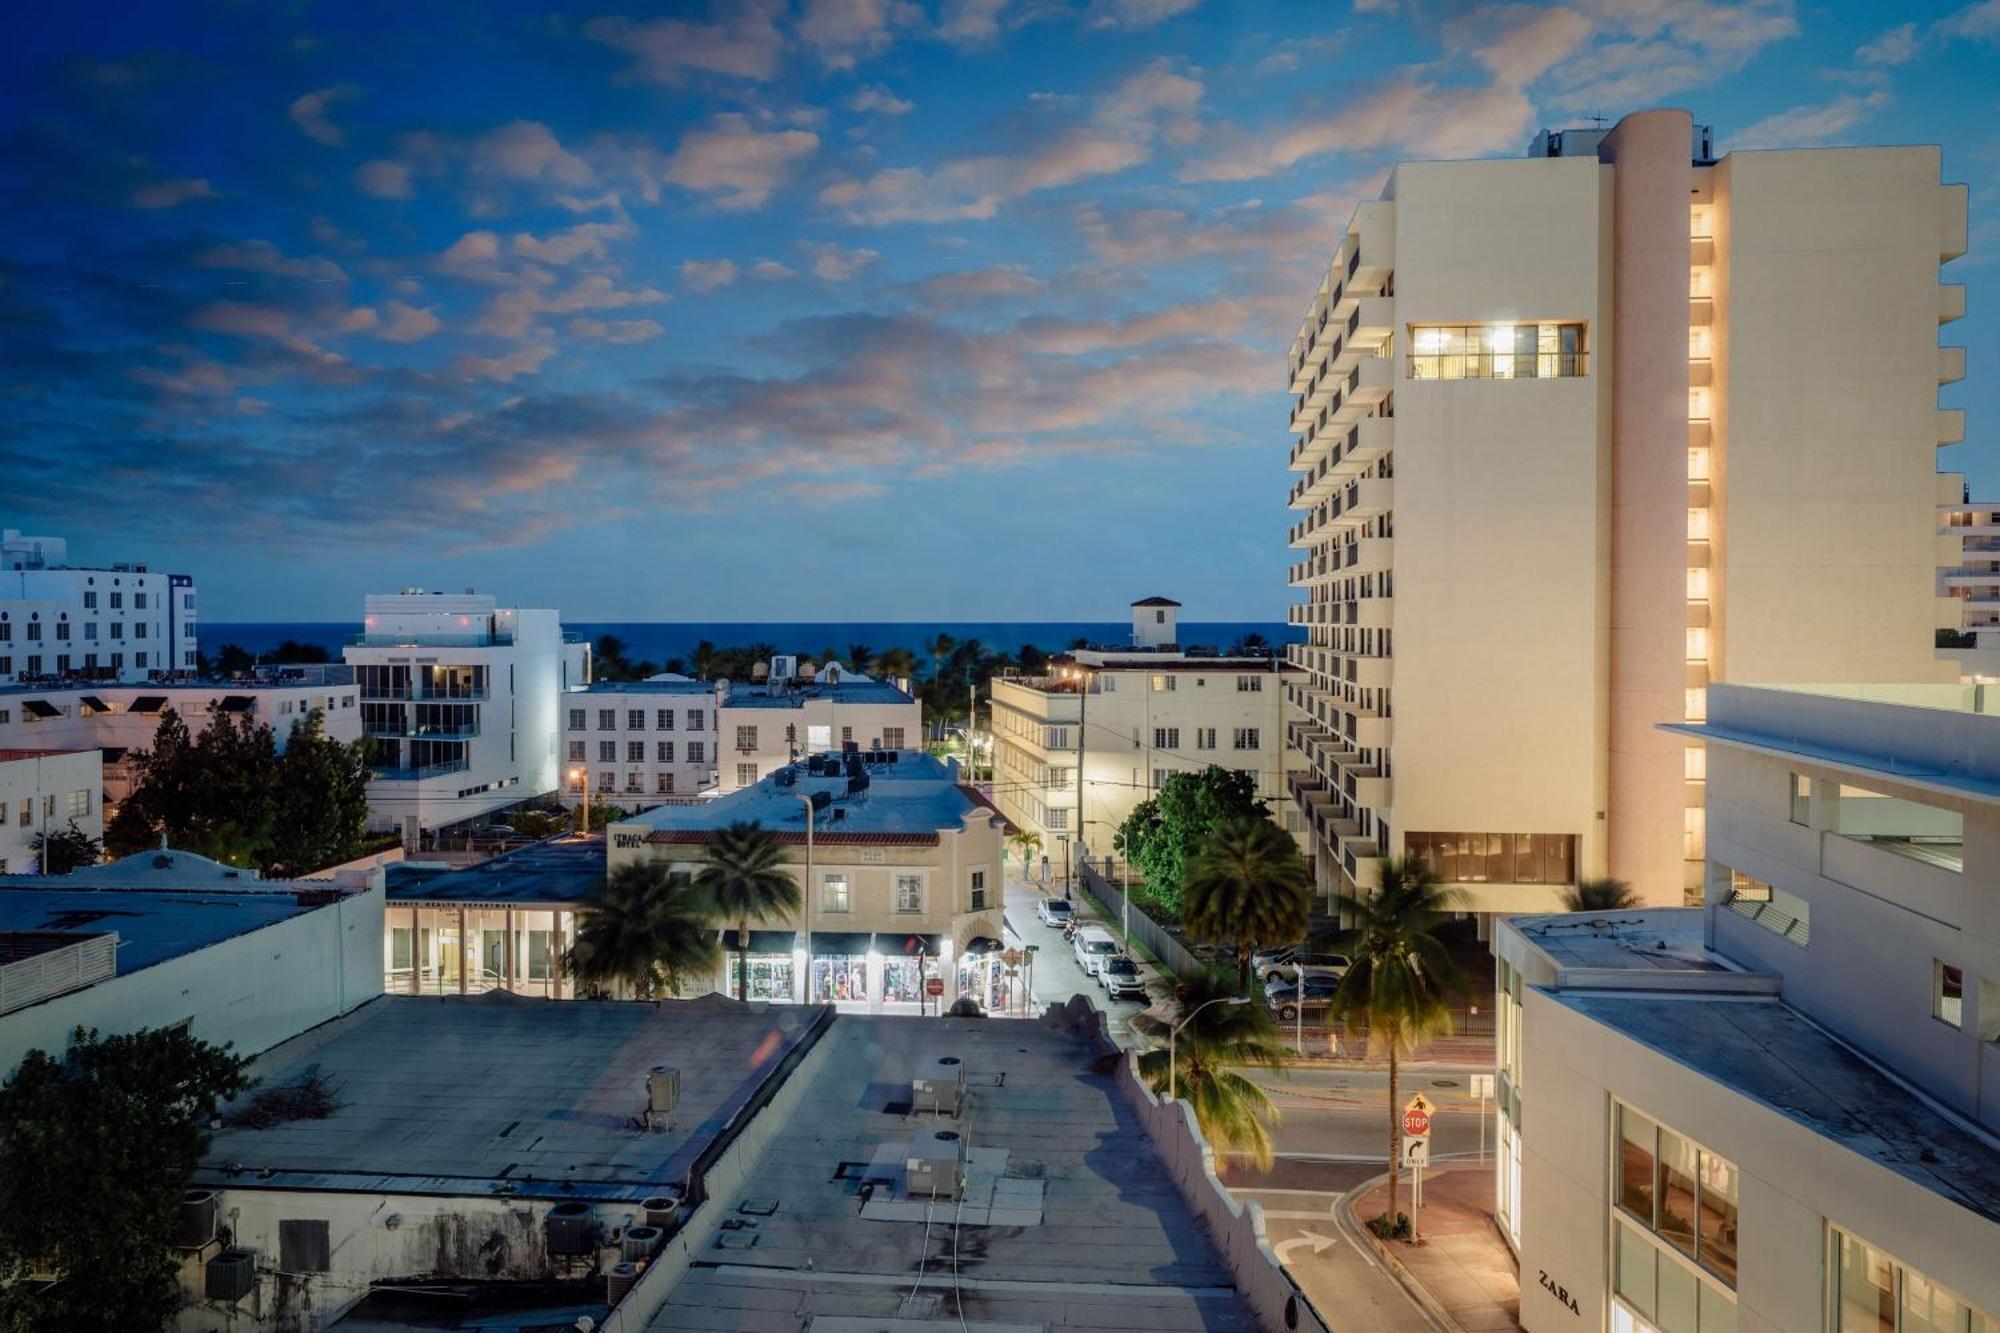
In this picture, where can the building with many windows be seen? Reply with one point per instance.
(640, 743)
(459, 697)
(46, 792)
(762, 727)
(1076, 749)
(1579, 433)
(1779, 1110)
(57, 620)
(1969, 574)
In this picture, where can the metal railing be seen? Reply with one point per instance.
(1498, 365)
(420, 773)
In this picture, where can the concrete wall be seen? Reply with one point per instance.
(30, 782)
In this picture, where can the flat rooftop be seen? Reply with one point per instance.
(559, 870)
(499, 1095)
(701, 687)
(1659, 939)
(1768, 1052)
(153, 925)
(12, 756)
(797, 694)
(1070, 1219)
(912, 798)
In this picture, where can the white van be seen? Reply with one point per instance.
(1094, 944)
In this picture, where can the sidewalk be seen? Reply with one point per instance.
(1463, 1266)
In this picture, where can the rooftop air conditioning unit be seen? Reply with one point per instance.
(939, 1087)
(230, 1276)
(663, 1096)
(572, 1230)
(199, 1212)
(931, 1169)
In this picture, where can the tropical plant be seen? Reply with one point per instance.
(1164, 832)
(745, 880)
(897, 661)
(860, 656)
(1600, 895)
(1219, 1039)
(122, 1117)
(645, 929)
(1027, 844)
(1400, 975)
(60, 852)
(1245, 887)
(319, 811)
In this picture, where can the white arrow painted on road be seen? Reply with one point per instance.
(1318, 1242)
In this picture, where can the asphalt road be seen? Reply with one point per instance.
(1056, 974)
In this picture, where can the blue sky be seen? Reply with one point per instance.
(832, 309)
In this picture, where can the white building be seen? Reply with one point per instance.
(461, 698)
(44, 792)
(121, 622)
(763, 727)
(1125, 718)
(640, 743)
(1578, 433)
(166, 937)
(1779, 1111)
(1969, 574)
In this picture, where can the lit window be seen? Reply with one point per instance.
(1801, 799)
(1497, 351)
(833, 893)
(1698, 583)
(1947, 993)
(1697, 643)
(1694, 763)
(1697, 525)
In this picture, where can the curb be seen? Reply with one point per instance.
(1371, 1244)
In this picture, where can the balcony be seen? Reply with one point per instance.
(1972, 577)
(1951, 302)
(408, 733)
(419, 774)
(428, 639)
(1365, 787)
(1951, 365)
(1950, 425)
(1362, 500)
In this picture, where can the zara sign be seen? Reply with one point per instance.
(1560, 1292)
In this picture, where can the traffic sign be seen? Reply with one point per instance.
(1482, 1086)
(1416, 1152)
(1417, 1117)
(934, 986)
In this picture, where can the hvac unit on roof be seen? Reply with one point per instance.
(230, 1276)
(572, 1230)
(939, 1086)
(200, 1211)
(663, 1096)
(932, 1167)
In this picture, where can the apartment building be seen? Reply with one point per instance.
(1577, 434)
(460, 697)
(640, 743)
(1075, 750)
(763, 727)
(1781, 1109)
(45, 792)
(1969, 575)
(62, 621)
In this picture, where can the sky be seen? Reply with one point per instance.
(809, 310)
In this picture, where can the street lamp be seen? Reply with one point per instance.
(806, 801)
(1173, 1038)
(581, 775)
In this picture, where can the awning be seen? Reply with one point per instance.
(92, 704)
(148, 703)
(40, 708)
(841, 943)
(765, 941)
(235, 703)
(114, 754)
(896, 944)
(980, 944)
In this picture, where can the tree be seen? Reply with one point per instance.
(1163, 832)
(899, 662)
(1399, 976)
(61, 852)
(646, 929)
(744, 880)
(860, 656)
(165, 791)
(1252, 644)
(320, 802)
(233, 659)
(1026, 844)
(234, 762)
(294, 653)
(121, 1117)
(1600, 895)
(1219, 1040)
(1245, 887)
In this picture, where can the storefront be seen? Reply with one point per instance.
(840, 966)
(982, 973)
(907, 962)
(773, 965)
(470, 948)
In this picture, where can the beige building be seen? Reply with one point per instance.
(1579, 433)
(1075, 750)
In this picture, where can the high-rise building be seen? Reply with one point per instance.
(78, 622)
(1579, 433)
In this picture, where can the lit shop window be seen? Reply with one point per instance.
(1497, 351)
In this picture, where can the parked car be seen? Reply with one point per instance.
(1285, 1001)
(1265, 959)
(1094, 944)
(1055, 911)
(1284, 970)
(1119, 976)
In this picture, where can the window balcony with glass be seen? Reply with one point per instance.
(1498, 352)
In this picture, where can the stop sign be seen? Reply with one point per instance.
(1416, 1122)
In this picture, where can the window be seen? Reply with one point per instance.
(746, 738)
(1947, 993)
(90, 631)
(607, 781)
(892, 738)
(1779, 911)
(90, 601)
(1166, 738)
(1246, 738)
(1497, 352)
(1911, 829)
(635, 719)
(576, 752)
(1679, 1192)
(27, 816)
(1164, 683)
(833, 893)
(1801, 799)
(1058, 819)
(302, 1245)
(635, 752)
(635, 782)
(62, 631)
(664, 751)
(607, 752)
(117, 600)
(697, 752)
(35, 630)
(1249, 684)
(607, 719)
(138, 601)
(979, 889)
(666, 784)
(1497, 858)
(909, 893)
(79, 803)
(138, 659)
(1204, 738)
(746, 775)
(1877, 1294)
(696, 718)
(576, 719)
(846, 735)
(663, 719)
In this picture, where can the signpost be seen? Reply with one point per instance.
(1299, 1009)
(1482, 1088)
(1417, 1148)
(934, 986)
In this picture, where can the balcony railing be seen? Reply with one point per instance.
(1498, 365)
(419, 774)
(428, 639)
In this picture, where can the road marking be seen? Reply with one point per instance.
(1318, 1242)
(1275, 1215)
(1273, 1189)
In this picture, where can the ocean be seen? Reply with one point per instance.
(657, 642)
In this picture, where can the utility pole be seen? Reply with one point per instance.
(1082, 709)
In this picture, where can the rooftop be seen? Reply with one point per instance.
(559, 870)
(653, 685)
(1771, 1054)
(497, 1095)
(796, 693)
(313, 677)
(911, 799)
(12, 756)
(1156, 601)
(1069, 1219)
(1664, 940)
(153, 926)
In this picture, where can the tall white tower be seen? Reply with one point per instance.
(1156, 622)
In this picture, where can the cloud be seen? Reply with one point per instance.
(384, 178)
(299, 330)
(172, 193)
(258, 256)
(1150, 236)
(1646, 50)
(528, 151)
(408, 323)
(1979, 22)
(1136, 13)
(844, 32)
(619, 331)
(834, 264)
(309, 113)
(586, 240)
(1894, 47)
(516, 313)
(970, 22)
(770, 270)
(707, 275)
(943, 289)
(737, 165)
(744, 42)
(1213, 318)
(1288, 55)
(1805, 126)
(503, 369)
(880, 101)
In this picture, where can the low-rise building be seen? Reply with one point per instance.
(1077, 749)
(46, 792)
(762, 727)
(1779, 1110)
(165, 937)
(639, 743)
(116, 622)
(900, 867)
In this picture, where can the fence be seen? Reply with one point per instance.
(1155, 937)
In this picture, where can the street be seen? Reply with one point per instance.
(1056, 974)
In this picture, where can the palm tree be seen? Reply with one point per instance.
(645, 928)
(1245, 887)
(1600, 895)
(860, 656)
(704, 659)
(941, 648)
(1400, 974)
(1025, 843)
(896, 662)
(1222, 1038)
(745, 882)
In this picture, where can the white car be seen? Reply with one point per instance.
(1283, 970)
(1119, 976)
(1094, 944)
(1055, 911)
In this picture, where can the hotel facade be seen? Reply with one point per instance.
(1578, 434)
(60, 621)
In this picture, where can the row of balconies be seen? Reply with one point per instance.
(1367, 382)
(1364, 499)
(1366, 440)
(1366, 555)
(1343, 294)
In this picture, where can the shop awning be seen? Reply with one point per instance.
(894, 944)
(841, 943)
(40, 708)
(235, 703)
(980, 944)
(92, 704)
(148, 703)
(765, 941)
(114, 754)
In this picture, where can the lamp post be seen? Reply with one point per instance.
(582, 774)
(1173, 1039)
(806, 801)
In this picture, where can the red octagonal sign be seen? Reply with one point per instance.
(1416, 1122)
